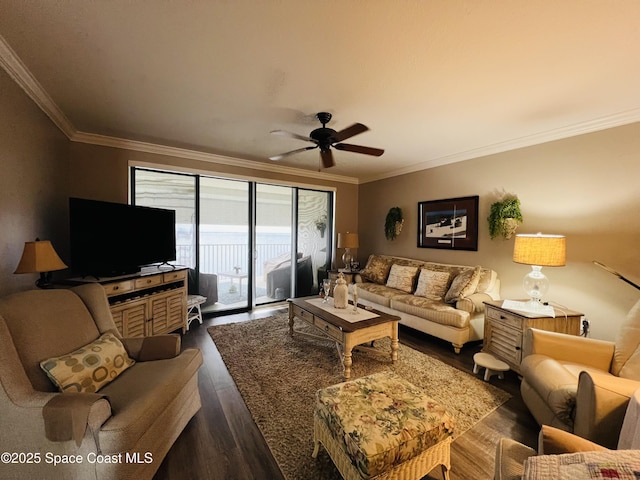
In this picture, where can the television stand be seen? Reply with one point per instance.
(146, 303)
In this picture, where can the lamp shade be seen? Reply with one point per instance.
(541, 250)
(347, 240)
(38, 257)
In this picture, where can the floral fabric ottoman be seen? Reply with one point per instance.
(382, 426)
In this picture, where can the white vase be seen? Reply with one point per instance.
(341, 293)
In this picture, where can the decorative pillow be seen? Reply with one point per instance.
(464, 284)
(432, 284)
(402, 278)
(376, 270)
(89, 368)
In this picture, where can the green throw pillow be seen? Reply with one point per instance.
(89, 368)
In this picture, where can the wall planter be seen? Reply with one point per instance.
(504, 217)
(393, 223)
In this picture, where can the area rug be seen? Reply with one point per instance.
(278, 376)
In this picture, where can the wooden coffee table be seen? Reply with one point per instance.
(346, 334)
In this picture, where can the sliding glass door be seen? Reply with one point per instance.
(224, 239)
(246, 243)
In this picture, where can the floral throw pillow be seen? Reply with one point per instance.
(432, 284)
(89, 368)
(463, 285)
(402, 278)
(376, 270)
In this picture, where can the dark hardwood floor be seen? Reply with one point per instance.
(223, 442)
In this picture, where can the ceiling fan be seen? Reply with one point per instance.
(325, 138)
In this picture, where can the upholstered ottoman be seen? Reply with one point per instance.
(382, 427)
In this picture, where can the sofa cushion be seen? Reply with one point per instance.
(436, 311)
(380, 294)
(626, 357)
(89, 368)
(487, 280)
(432, 284)
(141, 395)
(376, 270)
(463, 285)
(402, 278)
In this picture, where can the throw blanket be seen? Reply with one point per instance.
(605, 465)
(66, 416)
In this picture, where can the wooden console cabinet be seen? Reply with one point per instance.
(504, 329)
(147, 304)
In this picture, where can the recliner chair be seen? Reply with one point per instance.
(138, 415)
(582, 385)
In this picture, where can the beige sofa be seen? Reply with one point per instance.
(582, 385)
(124, 430)
(446, 301)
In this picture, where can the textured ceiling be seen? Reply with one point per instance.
(435, 81)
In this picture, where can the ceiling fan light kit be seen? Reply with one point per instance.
(325, 138)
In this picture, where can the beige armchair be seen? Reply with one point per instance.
(125, 429)
(512, 457)
(582, 385)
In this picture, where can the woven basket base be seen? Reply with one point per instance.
(417, 467)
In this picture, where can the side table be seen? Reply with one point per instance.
(504, 329)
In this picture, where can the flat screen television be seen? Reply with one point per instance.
(110, 239)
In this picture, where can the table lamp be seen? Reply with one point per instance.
(347, 241)
(40, 257)
(538, 251)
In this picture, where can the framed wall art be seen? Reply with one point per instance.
(451, 223)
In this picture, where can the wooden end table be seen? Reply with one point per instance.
(504, 329)
(347, 335)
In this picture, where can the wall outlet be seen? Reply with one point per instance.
(586, 326)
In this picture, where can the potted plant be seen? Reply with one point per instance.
(504, 217)
(321, 225)
(393, 223)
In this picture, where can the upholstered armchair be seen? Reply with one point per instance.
(117, 422)
(515, 461)
(582, 385)
(278, 277)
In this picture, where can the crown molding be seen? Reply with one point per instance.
(598, 124)
(18, 71)
(20, 74)
(115, 142)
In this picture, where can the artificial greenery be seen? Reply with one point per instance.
(504, 217)
(393, 223)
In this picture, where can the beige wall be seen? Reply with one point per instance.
(33, 182)
(585, 187)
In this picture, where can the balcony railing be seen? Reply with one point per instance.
(217, 258)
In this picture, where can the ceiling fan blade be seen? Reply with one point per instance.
(327, 158)
(359, 149)
(292, 152)
(349, 132)
(284, 133)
